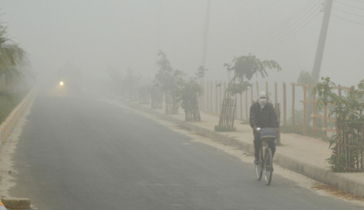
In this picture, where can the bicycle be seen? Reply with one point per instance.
(265, 163)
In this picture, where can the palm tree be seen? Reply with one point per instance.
(11, 57)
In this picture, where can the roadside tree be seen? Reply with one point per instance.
(130, 85)
(243, 69)
(12, 57)
(156, 96)
(144, 94)
(170, 81)
(189, 94)
(348, 149)
(12, 63)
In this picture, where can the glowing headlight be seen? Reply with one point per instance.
(61, 83)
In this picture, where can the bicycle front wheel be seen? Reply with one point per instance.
(268, 166)
(259, 167)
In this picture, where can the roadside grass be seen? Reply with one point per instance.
(10, 100)
(337, 192)
(218, 129)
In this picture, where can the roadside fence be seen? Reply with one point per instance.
(211, 101)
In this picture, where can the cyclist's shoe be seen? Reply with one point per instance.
(256, 161)
(270, 168)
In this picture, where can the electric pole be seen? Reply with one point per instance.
(322, 40)
(159, 26)
(206, 29)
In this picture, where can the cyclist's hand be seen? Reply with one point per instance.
(254, 129)
(277, 129)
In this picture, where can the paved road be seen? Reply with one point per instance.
(77, 152)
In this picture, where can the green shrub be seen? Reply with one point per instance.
(222, 129)
(9, 100)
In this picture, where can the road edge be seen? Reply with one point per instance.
(316, 173)
(5, 129)
(8, 124)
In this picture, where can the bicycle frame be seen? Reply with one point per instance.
(266, 162)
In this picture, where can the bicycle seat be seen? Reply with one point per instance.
(268, 134)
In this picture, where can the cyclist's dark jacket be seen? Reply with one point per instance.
(263, 118)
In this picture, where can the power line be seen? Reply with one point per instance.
(283, 39)
(291, 28)
(299, 29)
(285, 26)
(348, 5)
(348, 12)
(305, 6)
(347, 20)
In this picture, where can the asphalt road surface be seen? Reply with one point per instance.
(78, 152)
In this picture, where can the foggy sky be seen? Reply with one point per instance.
(96, 35)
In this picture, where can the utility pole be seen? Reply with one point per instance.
(322, 40)
(206, 29)
(159, 26)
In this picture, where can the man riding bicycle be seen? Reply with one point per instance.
(263, 115)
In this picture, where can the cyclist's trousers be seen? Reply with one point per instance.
(258, 144)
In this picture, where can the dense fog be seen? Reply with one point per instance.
(98, 35)
(164, 104)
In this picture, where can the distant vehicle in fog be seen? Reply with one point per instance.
(70, 79)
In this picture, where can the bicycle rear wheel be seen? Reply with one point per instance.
(259, 167)
(268, 166)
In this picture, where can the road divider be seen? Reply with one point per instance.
(10, 121)
(5, 129)
(2, 207)
(15, 203)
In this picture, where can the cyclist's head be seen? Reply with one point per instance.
(263, 98)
